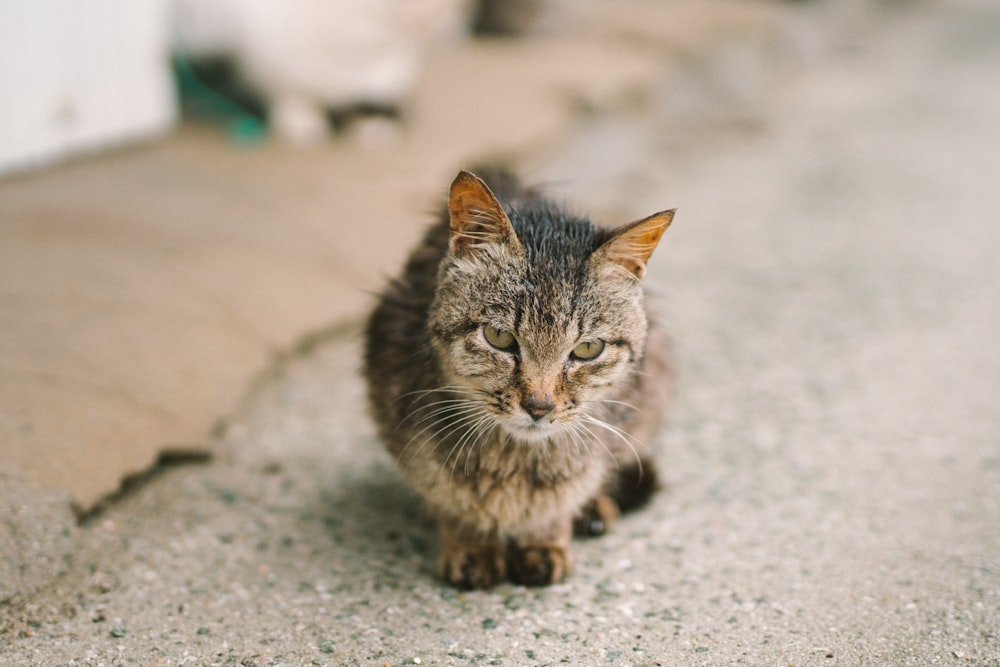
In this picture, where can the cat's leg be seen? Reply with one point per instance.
(597, 516)
(470, 559)
(629, 487)
(540, 558)
(635, 483)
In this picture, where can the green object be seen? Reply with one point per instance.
(247, 130)
(209, 91)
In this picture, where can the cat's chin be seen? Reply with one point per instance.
(532, 433)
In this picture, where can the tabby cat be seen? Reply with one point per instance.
(515, 375)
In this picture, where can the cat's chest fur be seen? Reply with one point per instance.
(502, 486)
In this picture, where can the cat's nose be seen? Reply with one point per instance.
(538, 406)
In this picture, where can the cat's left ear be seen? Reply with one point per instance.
(630, 246)
(477, 218)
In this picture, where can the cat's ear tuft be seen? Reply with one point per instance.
(631, 245)
(477, 218)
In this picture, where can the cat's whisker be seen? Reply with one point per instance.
(470, 427)
(619, 432)
(418, 393)
(452, 416)
(471, 400)
(621, 403)
(466, 422)
(621, 435)
(479, 433)
(453, 388)
(439, 411)
(573, 432)
(423, 413)
(437, 408)
(463, 413)
(443, 414)
(473, 428)
(586, 430)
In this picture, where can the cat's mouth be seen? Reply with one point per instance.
(530, 430)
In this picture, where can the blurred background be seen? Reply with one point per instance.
(81, 77)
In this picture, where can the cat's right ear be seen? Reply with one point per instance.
(477, 218)
(631, 245)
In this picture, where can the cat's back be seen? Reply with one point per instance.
(397, 356)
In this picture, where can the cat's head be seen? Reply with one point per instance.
(538, 315)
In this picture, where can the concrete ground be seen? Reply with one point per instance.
(832, 458)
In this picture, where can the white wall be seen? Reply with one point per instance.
(79, 76)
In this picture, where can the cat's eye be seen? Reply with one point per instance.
(498, 338)
(587, 350)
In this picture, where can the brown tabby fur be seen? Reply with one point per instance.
(508, 445)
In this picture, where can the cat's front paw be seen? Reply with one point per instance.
(596, 517)
(481, 566)
(539, 565)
